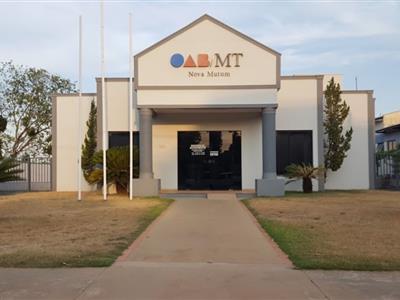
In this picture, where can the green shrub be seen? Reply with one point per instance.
(9, 170)
(117, 167)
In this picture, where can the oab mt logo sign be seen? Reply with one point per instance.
(206, 61)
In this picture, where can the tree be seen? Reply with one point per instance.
(337, 141)
(305, 173)
(3, 126)
(25, 101)
(9, 170)
(90, 143)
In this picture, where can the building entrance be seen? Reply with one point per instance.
(209, 160)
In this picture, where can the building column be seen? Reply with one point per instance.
(146, 185)
(269, 184)
(146, 143)
(269, 143)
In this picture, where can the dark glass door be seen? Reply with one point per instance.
(209, 160)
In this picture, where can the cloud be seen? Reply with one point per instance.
(311, 36)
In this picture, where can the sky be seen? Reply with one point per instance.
(353, 38)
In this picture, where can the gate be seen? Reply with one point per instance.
(388, 170)
(36, 175)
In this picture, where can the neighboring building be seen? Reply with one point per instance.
(214, 112)
(387, 131)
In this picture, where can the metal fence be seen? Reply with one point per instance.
(388, 170)
(36, 175)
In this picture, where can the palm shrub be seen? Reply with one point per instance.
(9, 170)
(117, 167)
(306, 172)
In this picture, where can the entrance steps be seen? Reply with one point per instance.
(221, 196)
(217, 195)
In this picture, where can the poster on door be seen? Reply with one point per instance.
(198, 149)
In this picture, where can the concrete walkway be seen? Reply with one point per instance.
(199, 249)
(207, 231)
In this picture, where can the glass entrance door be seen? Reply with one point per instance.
(209, 160)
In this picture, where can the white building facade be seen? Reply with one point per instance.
(213, 112)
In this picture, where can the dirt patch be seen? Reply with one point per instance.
(53, 229)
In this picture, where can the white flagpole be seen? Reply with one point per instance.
(79, 114)
(130, 109)
(103, 100)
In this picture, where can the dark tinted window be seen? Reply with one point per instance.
(121, 138)
(293, 147)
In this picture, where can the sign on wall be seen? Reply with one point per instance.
(206, 65)
(206, 54)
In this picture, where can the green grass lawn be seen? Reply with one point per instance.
(334, 230)
(54, 230)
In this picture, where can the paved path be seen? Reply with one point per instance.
(207, 231)
(199, 249)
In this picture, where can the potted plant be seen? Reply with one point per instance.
(306, 172)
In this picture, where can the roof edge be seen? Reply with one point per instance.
(72, 95)
(293, 77)
(357, 92)
(213, 20)
(388, 128)
(98, 79)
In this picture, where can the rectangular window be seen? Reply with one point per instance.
(121, 139)
(293, 147)
(390, 145)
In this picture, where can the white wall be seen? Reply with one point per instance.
(238, 97)
(257, 66)
(165, 141)
(297, 110)
(117, 98)
(66, 130)
(355, 171)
